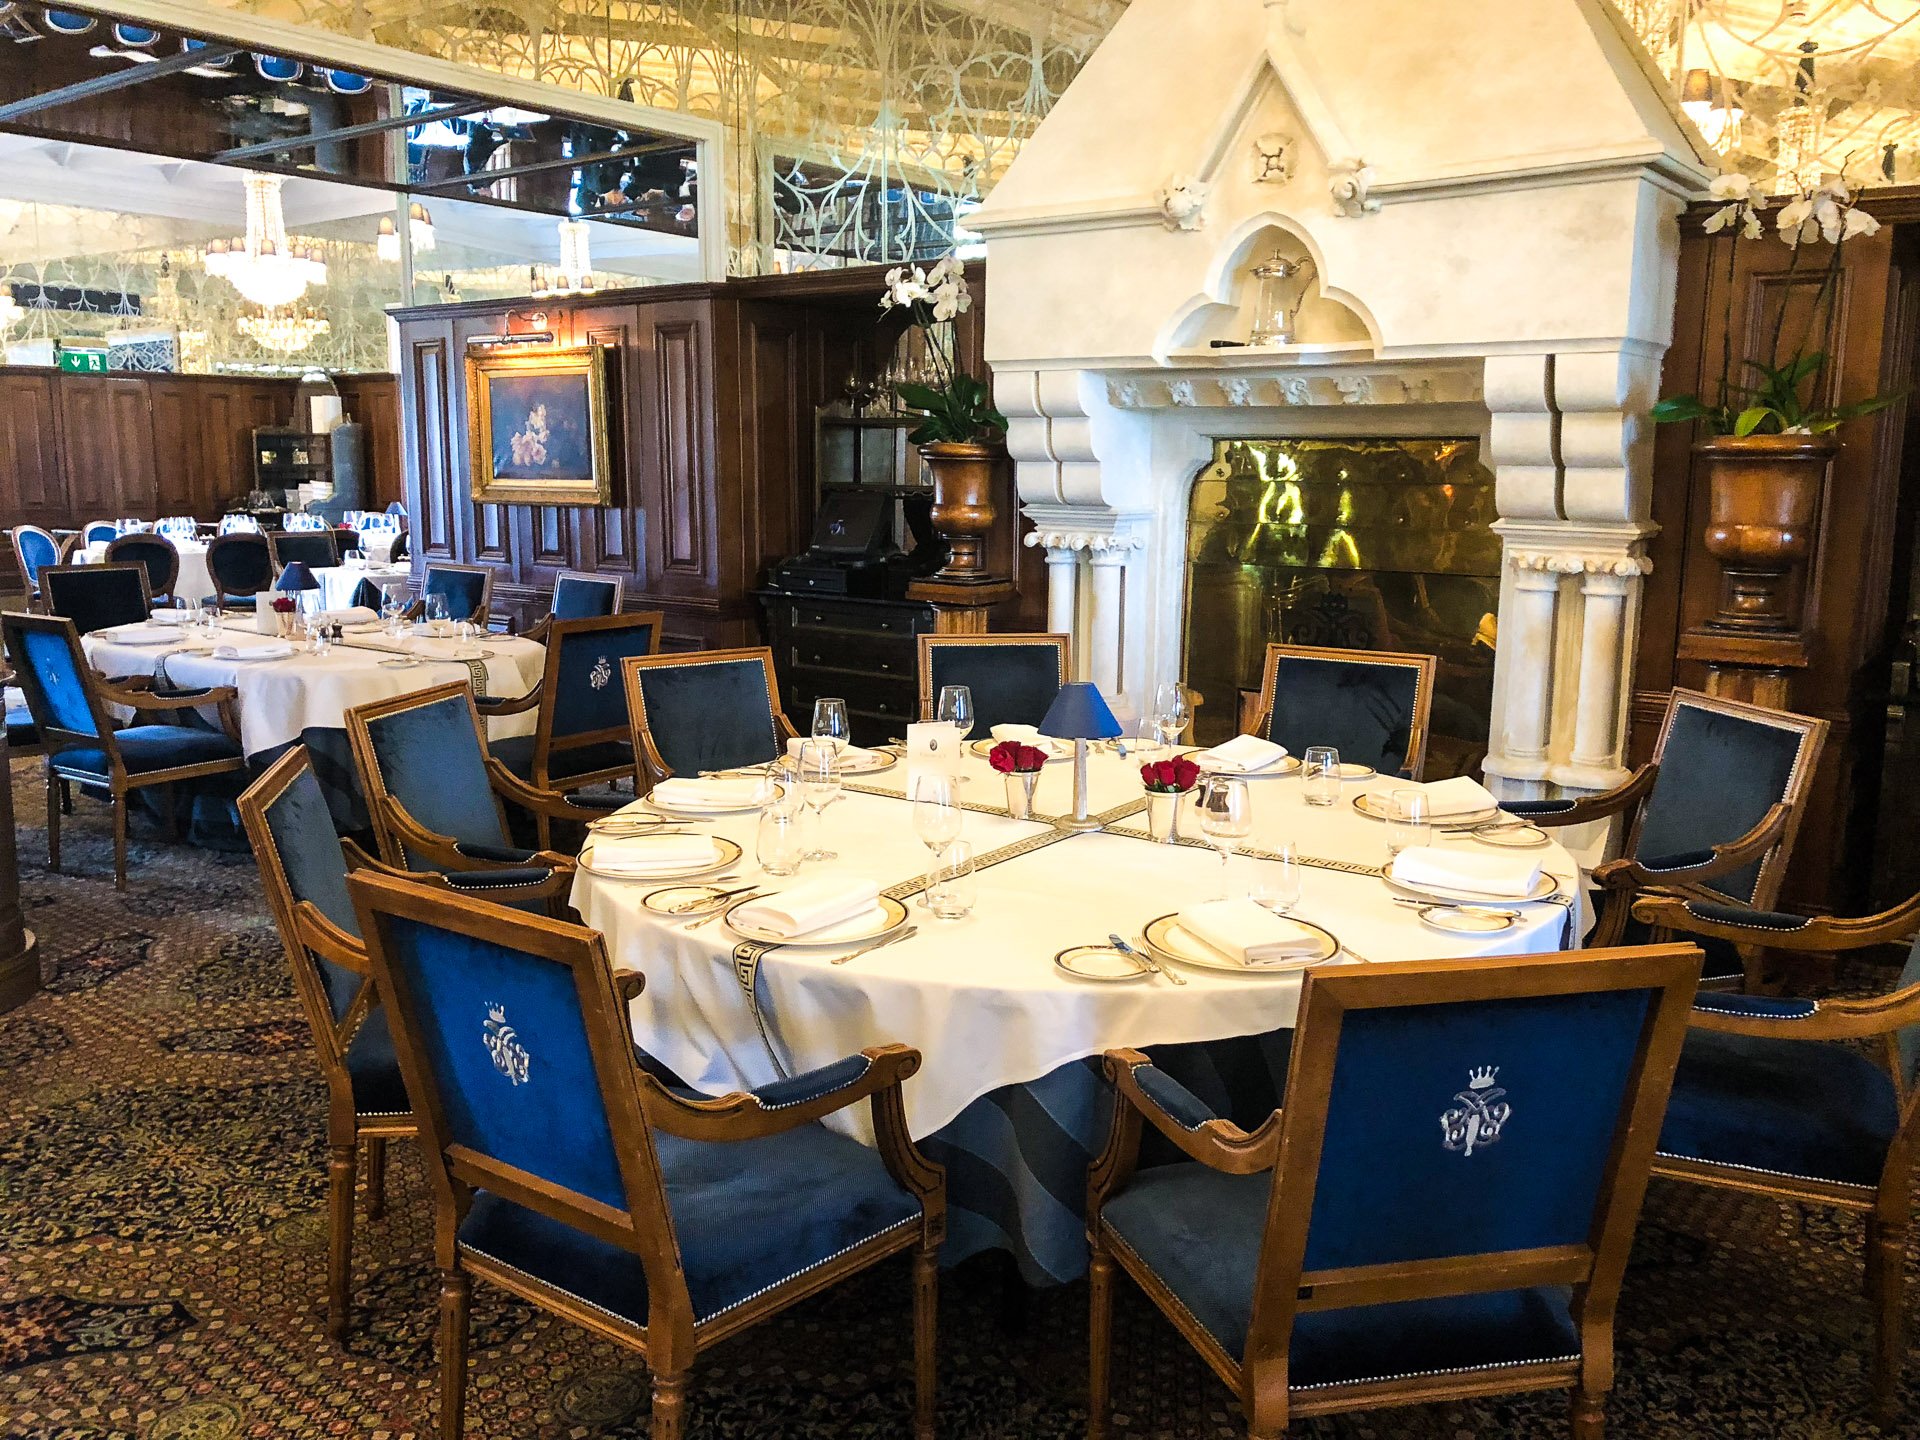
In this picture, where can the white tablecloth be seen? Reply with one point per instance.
(195, 582)
(281, 698)
(337, 582)
(980, 997)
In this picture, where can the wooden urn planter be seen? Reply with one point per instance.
(1765, 493)
(963, 506)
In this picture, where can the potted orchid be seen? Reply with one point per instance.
(1167, 782)
(1772, 432)
(1021, 765)
(960, 431)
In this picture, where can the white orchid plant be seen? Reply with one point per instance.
(1779, 402)
(957, 408)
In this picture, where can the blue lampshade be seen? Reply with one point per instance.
(396, 508)
(296, 576)
(1079, 713)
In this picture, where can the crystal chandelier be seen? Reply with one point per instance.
(266, 266)
(574, 275)
(419, 231)
(287, 331)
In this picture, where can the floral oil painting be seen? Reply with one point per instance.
(538, 426)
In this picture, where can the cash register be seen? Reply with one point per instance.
(854, 551)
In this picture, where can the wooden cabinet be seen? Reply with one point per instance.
(866, 652)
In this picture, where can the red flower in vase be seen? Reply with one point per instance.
(1170, 777)
(283, 605)
(1010, 757)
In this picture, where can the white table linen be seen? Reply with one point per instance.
(278, 699)
(980, 997)
(195, 581)
(338, 582)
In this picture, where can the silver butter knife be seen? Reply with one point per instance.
(1145, 959)
(896, 937)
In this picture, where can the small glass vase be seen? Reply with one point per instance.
(1163, 815)
(1020, 794)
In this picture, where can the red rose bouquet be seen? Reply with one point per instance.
(1010, 757)
(282, 604)
(1170, 777)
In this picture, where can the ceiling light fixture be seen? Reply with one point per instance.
(265, 265)
(574, 274)
(419, 231)
(288, 331)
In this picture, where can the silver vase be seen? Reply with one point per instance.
(1163, 816)
(1020, 794)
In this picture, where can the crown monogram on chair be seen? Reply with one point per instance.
(510, 1057)
(601, 673)
(1478, 1114)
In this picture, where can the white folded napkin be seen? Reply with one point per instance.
(353, 615)
(1503, 876)
(1023, 734)
(1242, 753)
(1248, 933)
(1462, 795)
(714, 793)
(800, 742)
(252, 652)
(652, 854)
(811, 905)
(172, 617)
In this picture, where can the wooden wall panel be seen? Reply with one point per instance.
(374, 401)
(428, 443)
(681, 409)
(32, 484)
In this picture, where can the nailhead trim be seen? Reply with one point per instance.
(1761, 922)
(485, 884)
(809, 1099)
(1756, 1014)
(1762, 1170)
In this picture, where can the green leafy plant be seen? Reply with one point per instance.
(955, 408)
(1777, 397)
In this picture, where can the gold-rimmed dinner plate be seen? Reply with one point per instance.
(1543, 887)
(684, 901)
(1169, 940)
(886, 916)
(1285, 765)
(853, 761)
(142, 635)
(1350, 771)
(1101, 964)
(765, 798)
(1511, 836)
(1376, 806)
(725, 853)
(1470, 920)
(1057, 750)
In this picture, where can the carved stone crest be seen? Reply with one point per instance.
(1273, 157)
(1183, 202)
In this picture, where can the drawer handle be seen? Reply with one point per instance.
(884, 665)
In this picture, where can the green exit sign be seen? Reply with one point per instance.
(84, 362)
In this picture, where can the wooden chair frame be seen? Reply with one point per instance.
(929, 700)
(1423, 666)
(653, 769)
(233, 540)
(81, 539)
(27, 578)
(481, 615)
(51, 575)
(168, 591)
(395, 831)
(1289, 1143)
(637, 1104)
(547, 692)
(274, 537)
(538, 630)
(1887, 1206)
(1771, 841)
(137, 694)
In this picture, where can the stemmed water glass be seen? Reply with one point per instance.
(393, 610)
(819, 776)
(1226, 818)
(1173, 712)
(937, 815)
(830, 722)
(956, 709)
(437, 615)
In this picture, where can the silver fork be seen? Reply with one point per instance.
(897, 936)
(709, 919)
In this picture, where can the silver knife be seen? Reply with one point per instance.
(897, 935)
(1144, 958)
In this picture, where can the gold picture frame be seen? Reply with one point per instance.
(537, 426)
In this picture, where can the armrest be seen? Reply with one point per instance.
(785, 1105)
(451, 855)
(503, 886)
(1776, 930)
(508, 704)
(1588, 807)
(1774, 1018)
(1696, 867)
(537, 632)
(148, 699)
(551, 803)
(1179, 1115)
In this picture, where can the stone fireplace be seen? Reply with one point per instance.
(1484, 199)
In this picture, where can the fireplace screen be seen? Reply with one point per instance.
(1355, 544)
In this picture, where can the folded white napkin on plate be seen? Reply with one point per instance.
(1024, 734)
(353, 615)
(1503, 876)
(1248, 933)
(811, 905)
(652, 854)
(714, 793)
(171, 617)
(799, 742)
(279, 651)
(1462, 795)
(1243, 753)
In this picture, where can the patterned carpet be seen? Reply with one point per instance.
(162, 1241)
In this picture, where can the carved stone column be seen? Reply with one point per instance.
(1106, 624)
(1598, 737)
(19, 965)
(1526, 646)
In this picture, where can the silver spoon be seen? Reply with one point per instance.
(1145, 959)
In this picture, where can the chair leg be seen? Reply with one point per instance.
(1887, 1265)
(53, 823)
(455, 1292)
(376, 1177)
(1099, 1342)
(341, 1165)
(926, 1311)
(66, 798)
(669, 1407)
(120, 807)
(1589, 1415)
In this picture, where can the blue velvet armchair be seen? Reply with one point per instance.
(1013, 678)
(157, 553)
(710, 710)
(467, 589)
(315, 549)
(82, 745)
(1442, 1208)
(1713, 815)
(97, 597)
(565, 1173)
(1371, 705)
(1814, 1101)
(303, 868)
(240, 566)
(34, 549)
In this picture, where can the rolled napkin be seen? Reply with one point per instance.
(253, 652)
(1249, 933)
(652, 854)
(1020, 734)
(800, 742)
(713, 793)
(1502, 876)
(1243, 753)
(1462, 795)
(809, 906)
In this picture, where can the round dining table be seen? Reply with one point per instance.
(1007, 1096)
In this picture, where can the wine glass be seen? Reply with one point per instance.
(937, 815)
(393, 609)
(1277, 885)
(956, 709)
(819, 787)
(950, 889)
(1409, 821)
(437, 615)
(1173, 712)
(1320, 774)
(830, 722)
(1226, 817)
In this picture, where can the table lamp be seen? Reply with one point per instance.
(1079, 714)
(298, 581)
